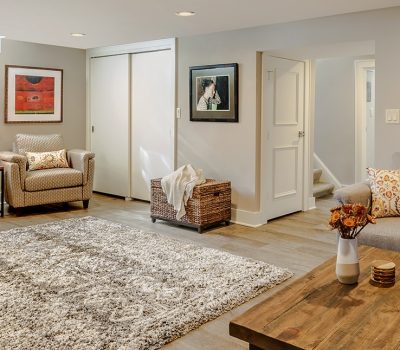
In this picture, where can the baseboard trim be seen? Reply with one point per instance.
(247, 218)
(311, 203)
(255, 219)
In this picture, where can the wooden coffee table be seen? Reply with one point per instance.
(317, 312)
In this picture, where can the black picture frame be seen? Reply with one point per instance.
(214, 93)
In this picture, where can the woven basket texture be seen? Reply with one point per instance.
(210, 203)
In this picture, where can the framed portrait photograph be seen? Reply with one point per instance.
(33, 95)
(214, 95)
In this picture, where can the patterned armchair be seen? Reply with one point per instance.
(59, 185)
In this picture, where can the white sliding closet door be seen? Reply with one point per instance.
(109, 105)
(152, 123)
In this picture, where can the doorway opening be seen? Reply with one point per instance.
(344, 121)
(331, 125)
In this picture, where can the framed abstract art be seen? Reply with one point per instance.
(33, 95)
(214, 95)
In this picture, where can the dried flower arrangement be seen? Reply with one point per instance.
(350, 219)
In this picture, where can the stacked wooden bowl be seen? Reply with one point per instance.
(383, 273)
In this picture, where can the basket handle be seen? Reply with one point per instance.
(216, 194)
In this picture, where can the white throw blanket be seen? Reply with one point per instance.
(179, 185)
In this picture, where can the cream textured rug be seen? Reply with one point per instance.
(89, 283)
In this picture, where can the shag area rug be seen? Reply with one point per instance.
(89, 283)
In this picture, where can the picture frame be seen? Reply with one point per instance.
(33, 95)
(214, 93)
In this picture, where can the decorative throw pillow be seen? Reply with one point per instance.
(385, 188)
(47, 160)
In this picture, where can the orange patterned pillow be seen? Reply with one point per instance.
(47, 160)
(385, 188)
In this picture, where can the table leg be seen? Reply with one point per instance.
(2, 194)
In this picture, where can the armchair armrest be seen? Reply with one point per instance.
(79, 160)
(357, 193)
(12, 157)
(20, 160)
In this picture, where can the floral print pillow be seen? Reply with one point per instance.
(47, 160)
(385, 188)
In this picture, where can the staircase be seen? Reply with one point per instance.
(320, 188)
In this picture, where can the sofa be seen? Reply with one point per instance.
(58, 185)
(385, 233)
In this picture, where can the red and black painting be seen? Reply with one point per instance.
(34, 94)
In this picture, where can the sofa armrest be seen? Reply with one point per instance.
(20, 160)
(357, 193)
(79, 160)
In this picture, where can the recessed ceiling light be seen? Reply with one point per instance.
(2, 36)
(78, 35)
(185, 13)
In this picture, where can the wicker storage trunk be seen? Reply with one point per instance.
(209, 205)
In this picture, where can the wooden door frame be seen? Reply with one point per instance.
(308, 201)
(360, 160)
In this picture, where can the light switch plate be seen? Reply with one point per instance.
(178, 113)
(392, 116)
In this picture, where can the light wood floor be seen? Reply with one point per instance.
(299, 242)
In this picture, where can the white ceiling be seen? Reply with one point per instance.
(111, 22)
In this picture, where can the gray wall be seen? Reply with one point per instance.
(222, 150)
(73, 62)
(230, 150)
(334, 115)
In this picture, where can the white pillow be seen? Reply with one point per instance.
(47, 160)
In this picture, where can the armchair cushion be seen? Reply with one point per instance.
(38, 143)
(48, 179)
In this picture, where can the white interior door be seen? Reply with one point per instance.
(152, 127)
(283, 132)
(109, 110)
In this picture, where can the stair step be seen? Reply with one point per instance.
(317, 175)
(322, 189)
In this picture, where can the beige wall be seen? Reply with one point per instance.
(229, 150)
(73, 62)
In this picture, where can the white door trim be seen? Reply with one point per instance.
(309, 112)
(360, 66)
(308, 199)
(147, 46)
